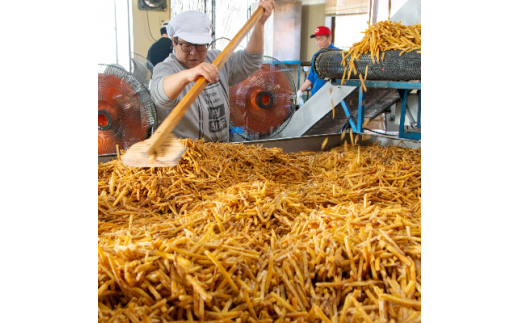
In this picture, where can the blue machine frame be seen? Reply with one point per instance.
(403, 88)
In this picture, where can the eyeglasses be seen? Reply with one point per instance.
(187, 47)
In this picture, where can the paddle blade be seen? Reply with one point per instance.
(166, 155)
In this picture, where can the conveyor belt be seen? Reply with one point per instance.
(327, 65)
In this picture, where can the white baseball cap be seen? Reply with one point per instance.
(191, 26)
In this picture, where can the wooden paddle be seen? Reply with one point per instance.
(162, 149)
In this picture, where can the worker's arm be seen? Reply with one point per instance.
(305, 85)
(256, 43)
(175, 83)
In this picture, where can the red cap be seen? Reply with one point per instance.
(321, 31)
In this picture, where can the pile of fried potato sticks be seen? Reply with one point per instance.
(380, 37)
(238, 233)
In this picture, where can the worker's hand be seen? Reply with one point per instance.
(268, 5)
(299, 95)
(209, 71)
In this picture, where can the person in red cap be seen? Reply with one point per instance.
(323, 40)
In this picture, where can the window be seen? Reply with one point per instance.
(345, 7)
(114, 33)
(230, 16)
(348, 30)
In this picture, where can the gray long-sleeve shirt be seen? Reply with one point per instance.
(208, 116)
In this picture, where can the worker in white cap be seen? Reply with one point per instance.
(208, 116)
(162, 48)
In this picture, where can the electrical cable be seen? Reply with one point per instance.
(346, 126)
(380, 133)
(215, 41)
(147, 20)
(223, 38)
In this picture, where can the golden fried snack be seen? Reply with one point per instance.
(380, 37)
(237, 233)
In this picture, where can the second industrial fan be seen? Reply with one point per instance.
(263, 104)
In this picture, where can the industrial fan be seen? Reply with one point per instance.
(141, 68)
(153, 5)
(126, 113)
(263, 104)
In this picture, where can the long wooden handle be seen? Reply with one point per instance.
(178, 112)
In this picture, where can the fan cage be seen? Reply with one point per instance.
(247, 119)
(141, 68)
(128, 103)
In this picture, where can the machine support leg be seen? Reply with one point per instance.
(419, 111)
(404, 96)
(344, 104)
(361, 110)
(299, 68)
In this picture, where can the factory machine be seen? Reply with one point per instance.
(393, 86)
(337, 107)
(263, 108)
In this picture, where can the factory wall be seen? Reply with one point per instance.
(312, 17)
(142, 38)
